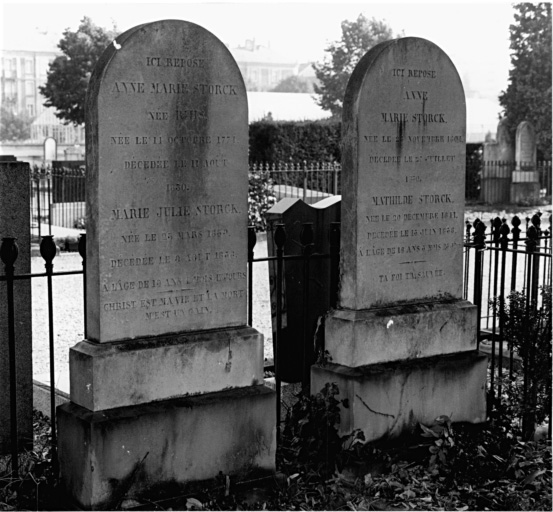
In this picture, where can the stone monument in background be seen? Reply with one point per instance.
(402, 340)
(525, 186)
(498, 164)
(167, 388)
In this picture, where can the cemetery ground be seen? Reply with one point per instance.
(436, 467)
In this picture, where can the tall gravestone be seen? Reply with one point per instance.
(498, 164)
(168, 386)
(15, 222)
(402, 341)
(525, 186)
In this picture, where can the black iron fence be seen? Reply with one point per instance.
(508, 276)
(502, 260)
(58, 192)
(58, 196)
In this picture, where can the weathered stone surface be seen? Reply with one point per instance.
(138, 451)
(15, 222)
(403, 177)
(389, 399)
(293, 213)
(161, 368)
(503, 149)
(525, 146)
(358, 338)
(167, 138)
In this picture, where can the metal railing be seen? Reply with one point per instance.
(494, 263)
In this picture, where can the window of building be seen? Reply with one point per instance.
(31, 110)
(29, 67)
(29, 88)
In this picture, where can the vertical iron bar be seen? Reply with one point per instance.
(38, 205)
(304, 169)
(252, 239)
(82, 252)
(504, 242)
(49, 195)
(48, 253)
(8, 254)
(279, 239)
(480, 246)
(527, 417)
(495, 236)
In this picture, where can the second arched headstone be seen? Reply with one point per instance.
(402, 341)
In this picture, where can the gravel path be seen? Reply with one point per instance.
(68, 302)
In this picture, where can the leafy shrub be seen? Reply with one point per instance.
(260, 198)
(527, 329)
(313, 141)
(310, 435)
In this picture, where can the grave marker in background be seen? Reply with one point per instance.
(402, 339)
(168, 345)
(498, 161)
(525, 186)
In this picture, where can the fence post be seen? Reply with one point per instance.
(252, 240)
(48, 253)
(306, 241)
(8, 254)
(280, 240)
(528, 417)
(304, 170)
(480, 247)
(504, 231)
(82, 251)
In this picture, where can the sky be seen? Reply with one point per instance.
(475, 34)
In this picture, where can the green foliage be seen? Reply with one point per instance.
(441, 433)
(342, 56)
(14, 126)
(260, 198)
(292, 84)
(35, 486)
(527, 328)
(310, 435)
(68, 75)
(317, 141)
(528, 94)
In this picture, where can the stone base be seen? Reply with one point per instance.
(133, 452)
(525, 193)
(386, 400)
(358, 338)
(109, 375)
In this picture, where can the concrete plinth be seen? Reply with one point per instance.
(358, 338)
(389, 399)
(135, 451)
(106, 376)
(525, 192)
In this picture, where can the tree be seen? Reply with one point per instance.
(68, 75)
(342, 56)
(291, 84)
(14, 126)
(528, 94)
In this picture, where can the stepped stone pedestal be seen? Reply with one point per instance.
(167, 389)
(401, 343)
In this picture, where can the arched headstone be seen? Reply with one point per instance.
(169, 369)
(402, 339)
